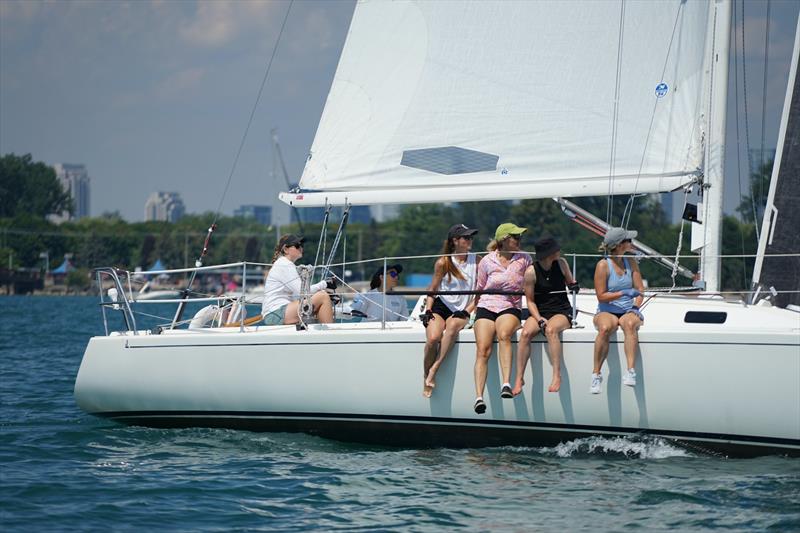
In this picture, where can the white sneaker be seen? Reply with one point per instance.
(597, 380)
(629, 377)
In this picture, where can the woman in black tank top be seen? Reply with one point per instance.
(551, 312)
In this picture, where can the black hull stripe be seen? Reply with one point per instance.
(305, 422)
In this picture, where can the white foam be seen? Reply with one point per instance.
(648, 448)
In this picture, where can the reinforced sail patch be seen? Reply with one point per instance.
(450, 160)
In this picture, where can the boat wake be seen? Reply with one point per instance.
(629, 447)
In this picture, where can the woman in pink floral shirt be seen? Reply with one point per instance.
(499, 314)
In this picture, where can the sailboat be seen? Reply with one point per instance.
(453, 102)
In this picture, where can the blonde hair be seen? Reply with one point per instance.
(495, 245)
(606, 249)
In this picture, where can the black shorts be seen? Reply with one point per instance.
(485, 313)
(439, 308)
(550, 314)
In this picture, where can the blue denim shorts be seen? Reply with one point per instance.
(274, 318)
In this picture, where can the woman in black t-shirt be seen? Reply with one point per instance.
(546, 288)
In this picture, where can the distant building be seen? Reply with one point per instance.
(384, 212)
(262, 213)
(165, 206)
(74, 180)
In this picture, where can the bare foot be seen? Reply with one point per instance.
(430, 379)
(555, 385)
(427, 391)
(518, 387)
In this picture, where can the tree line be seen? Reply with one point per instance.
(30, 191)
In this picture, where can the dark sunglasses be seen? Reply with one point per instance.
(393, 274)
(296, 245)
(626, 240)
(466, 237)
(515, 237)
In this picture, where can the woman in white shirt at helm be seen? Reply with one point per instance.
(283, 286)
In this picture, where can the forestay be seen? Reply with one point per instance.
(458, 101)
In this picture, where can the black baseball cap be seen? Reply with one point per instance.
(546, 247)
(291, 240)
(460, 230)
(375, 282)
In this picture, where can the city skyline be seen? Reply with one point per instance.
(156, 95)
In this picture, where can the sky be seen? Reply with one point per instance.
(156, 94)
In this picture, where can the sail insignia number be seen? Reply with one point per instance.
(661, 90)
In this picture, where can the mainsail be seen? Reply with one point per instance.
(777, 265)
(457, 101)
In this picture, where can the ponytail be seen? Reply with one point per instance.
(448, 247)
(494, 245)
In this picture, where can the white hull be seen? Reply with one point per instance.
(732, 387)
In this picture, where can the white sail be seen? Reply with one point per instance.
(448, 101)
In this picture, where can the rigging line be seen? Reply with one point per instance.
(738, 139)
(747, 129)
(676, 263)
(615, 118)
(323, 231)
(253, 112)
(764, 103)
(652, 117)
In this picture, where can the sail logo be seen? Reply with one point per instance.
(504, 172)
(661, 90)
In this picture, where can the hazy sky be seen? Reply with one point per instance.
(155, 95)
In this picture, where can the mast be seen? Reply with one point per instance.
(715, 144)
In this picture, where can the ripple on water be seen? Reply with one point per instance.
(64, 470)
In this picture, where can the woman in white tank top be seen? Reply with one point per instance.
(447, 314)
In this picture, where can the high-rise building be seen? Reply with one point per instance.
(74, 180)
(384, 212)
(262, 213)
(165, 206)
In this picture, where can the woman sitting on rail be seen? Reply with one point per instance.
(447, 314)
(282, 287)
(370, 305)
(551, 312)
(619, 287)
(503, 270)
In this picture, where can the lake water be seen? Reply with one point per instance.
(61, 469)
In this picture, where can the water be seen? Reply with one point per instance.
(61, 469)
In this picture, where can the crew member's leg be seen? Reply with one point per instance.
(321, 302)
(433, 338)
(529, 330)
(506, 325)
(630, 324)
(453, 326)
(606, 324)
(484, 338)
(555, 325)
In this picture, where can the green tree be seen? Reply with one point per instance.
(754, 200)
(28, 187)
